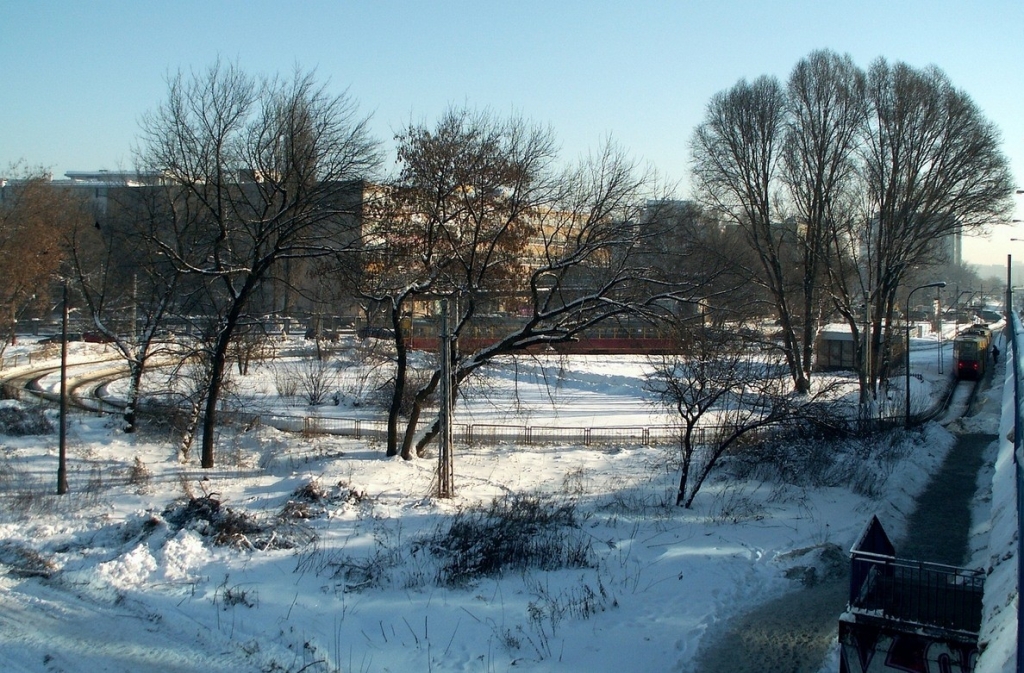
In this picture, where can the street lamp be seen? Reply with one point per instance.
(940, 284)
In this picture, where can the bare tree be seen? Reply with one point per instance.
(317, 379)
(34, 216)
(875, 174)
(453, 223)
(826, 110)
(737, 151)
(129, 287)
(725, 394)
(585, 267)
(932, 169)
(264, 171)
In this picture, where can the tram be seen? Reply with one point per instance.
(971, 350)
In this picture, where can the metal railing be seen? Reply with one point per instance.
(1013, 324)
(927, 594)
(23, 359)
(489, 433)
(485, 434)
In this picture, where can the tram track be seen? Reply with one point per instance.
(31, 382)
(957, 404)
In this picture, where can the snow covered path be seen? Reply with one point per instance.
(49, 628)
(796, 631)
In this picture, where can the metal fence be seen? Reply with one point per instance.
(928, 594)
(23, 359)
(463, 433)
(490, 434)
(485, 434)
(1013, 324)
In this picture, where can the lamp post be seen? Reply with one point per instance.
(940, 284)
(62, 450)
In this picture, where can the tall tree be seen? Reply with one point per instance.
(127, 285)
(34, 217)
(826, 110)
(587, 263)
(264, 171)
(851, 180)
(931, 169)
(453, 223)
(737, 151)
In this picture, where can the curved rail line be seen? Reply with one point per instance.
(85, 392)
(30, 382)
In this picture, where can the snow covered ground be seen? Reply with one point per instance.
(326, 556)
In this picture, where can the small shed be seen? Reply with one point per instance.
(835, 349)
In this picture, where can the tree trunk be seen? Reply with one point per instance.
(135, 368)
(401, 371)
(217, 364)
(210, 417)
(414, 417)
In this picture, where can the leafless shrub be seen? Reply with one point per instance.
(251, 348)
(513, 533)
(548, 609)
(317, 379)
(95, 487)
(640, 501)
(286, 382)
(186, 485)
(9, 477)
(357, 573)
(139, 476)
(229, 527)
(235, 453)
(23, 561)
(415, 380)
(312, 499)
(18, 421)
(735, 505)
(790, 461)
(23, 496)
(575, 482)
(862, 464)
(9, 391)
(230, 596)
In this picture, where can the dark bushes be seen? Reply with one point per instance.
(515, 532)
(19, 421)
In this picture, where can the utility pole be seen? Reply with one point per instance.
(868, 364)
(1009, 290)
(62, 467)
(445, 463)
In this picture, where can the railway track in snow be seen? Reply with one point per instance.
(84, 388)
(958, 403)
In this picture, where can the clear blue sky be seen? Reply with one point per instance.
(75, 76)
